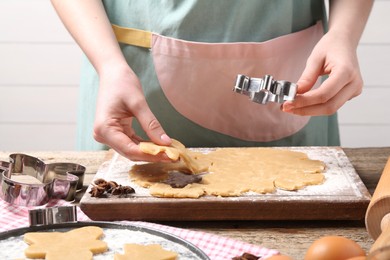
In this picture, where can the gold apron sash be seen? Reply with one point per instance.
(132, 36)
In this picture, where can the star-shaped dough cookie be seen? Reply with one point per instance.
(145, 252)
(80, 243)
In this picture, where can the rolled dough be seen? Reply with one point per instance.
(233, 172)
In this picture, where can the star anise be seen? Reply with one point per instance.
(100, 182)
(246, 256)
(102, 187)
(122, 190)
(97, 191)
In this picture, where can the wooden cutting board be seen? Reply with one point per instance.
(342, 196)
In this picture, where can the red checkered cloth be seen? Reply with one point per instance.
(216, 247)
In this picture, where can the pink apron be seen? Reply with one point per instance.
(197, 79)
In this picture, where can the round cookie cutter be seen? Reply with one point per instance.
(51, 181)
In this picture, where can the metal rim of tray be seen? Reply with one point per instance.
(54, 227)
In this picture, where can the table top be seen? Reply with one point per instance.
(288, 237)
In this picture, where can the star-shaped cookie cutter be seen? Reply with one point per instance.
(51, 180)
(266, 89)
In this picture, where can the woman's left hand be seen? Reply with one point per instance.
(334, 55)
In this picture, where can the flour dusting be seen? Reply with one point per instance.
(341, 179)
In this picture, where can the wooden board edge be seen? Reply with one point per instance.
(232, 210)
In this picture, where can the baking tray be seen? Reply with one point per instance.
(342, 196)
(115, 235)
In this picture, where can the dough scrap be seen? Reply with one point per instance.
(174, 152)
(80, 243)
(145, 252)
(235, 171)
(150, 148)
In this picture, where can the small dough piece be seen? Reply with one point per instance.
(145, 252)
(174, 152)
(82, 242)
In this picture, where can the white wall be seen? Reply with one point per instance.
(365, 120)
(39, 75)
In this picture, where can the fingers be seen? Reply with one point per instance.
(327, 108)
(336, 58)
(329, 88)
(120, 100)
(310, 75)
(328, 98)
(125, 142)
(129, 131)
(151, 125)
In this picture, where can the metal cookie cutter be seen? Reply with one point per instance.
(50, 181)
(266, 89)
(53, 215)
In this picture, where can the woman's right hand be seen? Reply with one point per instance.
(120, 97)
(120, 100)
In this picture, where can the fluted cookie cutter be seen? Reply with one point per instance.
(28, 181)
(52, 215)
(266, 89)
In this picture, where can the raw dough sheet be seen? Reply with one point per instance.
(341, 179)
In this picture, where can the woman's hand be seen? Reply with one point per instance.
(120, 100)
(120, 97)
(334, 55)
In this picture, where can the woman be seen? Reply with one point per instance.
(182, 86)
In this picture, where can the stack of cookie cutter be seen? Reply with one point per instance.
(266, 89)
(55, 180)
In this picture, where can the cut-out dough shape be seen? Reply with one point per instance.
(80, 243)
(145, 252)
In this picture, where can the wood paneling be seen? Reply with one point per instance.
(377, 30)
(39, 64)
(35, 104)
(31, 21)
(371, 107)
(355, 135)
(37, 136)
(375, 64)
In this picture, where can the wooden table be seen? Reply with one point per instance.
(289, 237)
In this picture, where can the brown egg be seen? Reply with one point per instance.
(333, 248)
(358, 258)
(279, 257)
